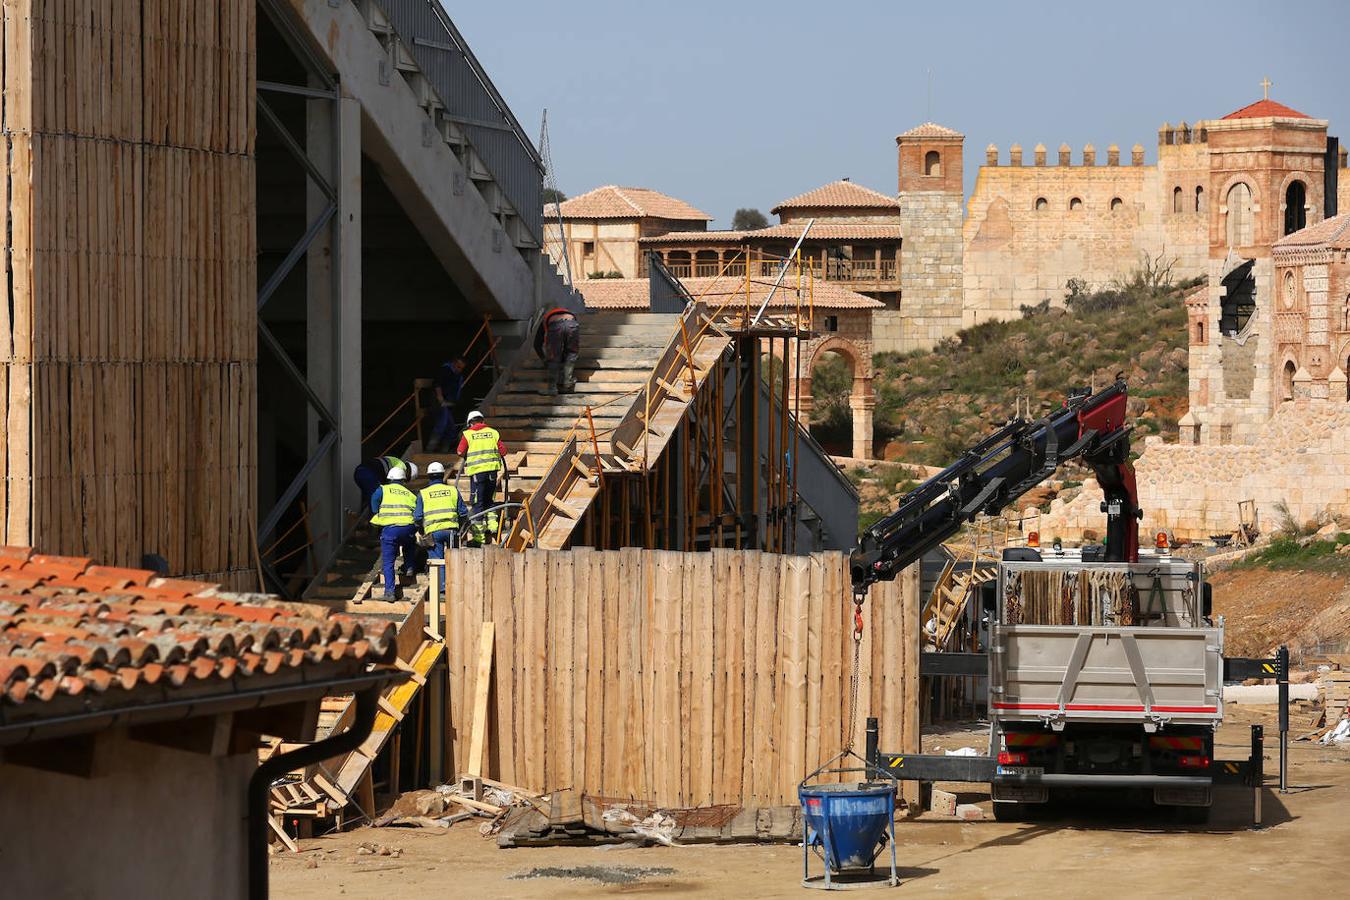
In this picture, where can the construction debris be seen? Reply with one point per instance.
(578, 821)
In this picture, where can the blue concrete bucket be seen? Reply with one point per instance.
(848, 822)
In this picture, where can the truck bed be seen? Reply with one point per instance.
(1151, 675)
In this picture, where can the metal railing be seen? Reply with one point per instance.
(473, 103)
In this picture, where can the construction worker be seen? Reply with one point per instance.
(374, 472)
(483, 453)
(449, 384)
(394, 508)
(439, 512)
(557, 342)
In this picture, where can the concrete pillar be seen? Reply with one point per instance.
(862, 406)
(333, 316)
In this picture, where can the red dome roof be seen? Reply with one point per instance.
(1264, 109)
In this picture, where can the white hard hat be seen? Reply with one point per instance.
(413, 473)
(436, 469)
(397, 474)
(474, 415)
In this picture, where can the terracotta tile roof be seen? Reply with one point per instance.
(840, 194)
(1333, 233)
(613, 202)
(930, 129)
(822, 230)
(104, 637)
(1265, 109)
(633, 293)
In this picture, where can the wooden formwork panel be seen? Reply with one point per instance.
(128, 345)
(678, 680)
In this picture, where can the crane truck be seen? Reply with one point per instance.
(1104, 664)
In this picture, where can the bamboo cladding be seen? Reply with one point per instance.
(129, 342)
(678, 680)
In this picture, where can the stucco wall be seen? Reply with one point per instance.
(151, 822)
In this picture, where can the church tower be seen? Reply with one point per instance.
(931, 193)
(1267, 177)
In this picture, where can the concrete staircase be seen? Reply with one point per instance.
(617, 352)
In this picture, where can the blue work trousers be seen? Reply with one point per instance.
(394, 538)
(445, 432)
(443, 540)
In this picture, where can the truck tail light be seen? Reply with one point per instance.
(1193, 762)
(1012, 759)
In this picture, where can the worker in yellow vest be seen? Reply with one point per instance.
(484, 454)
(439, 511)
(394, 507)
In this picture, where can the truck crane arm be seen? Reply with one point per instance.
(1001, 468)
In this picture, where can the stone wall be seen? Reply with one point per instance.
(1301, 457)
(930, 274)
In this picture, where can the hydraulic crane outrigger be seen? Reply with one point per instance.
(989, 476)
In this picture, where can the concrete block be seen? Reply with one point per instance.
(944, 803)
(969, 812)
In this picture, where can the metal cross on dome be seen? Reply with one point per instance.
(1265, 87)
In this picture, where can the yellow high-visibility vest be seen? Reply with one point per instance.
(483, 455)
(396, 506)
(440, 507)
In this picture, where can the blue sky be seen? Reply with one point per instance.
(747, 103)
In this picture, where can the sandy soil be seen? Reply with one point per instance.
(1095, 848)
(1264, 607)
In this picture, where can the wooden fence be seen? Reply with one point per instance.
(674, 679)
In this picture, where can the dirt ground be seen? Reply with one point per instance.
(1263, 608)
(1099, 848)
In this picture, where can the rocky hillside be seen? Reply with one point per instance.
(932, 405)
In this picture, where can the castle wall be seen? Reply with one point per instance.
(1300, 457)
(1018, 255)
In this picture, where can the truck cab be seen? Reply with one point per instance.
(1102, 674)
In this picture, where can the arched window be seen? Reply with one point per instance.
(1199, 332)
(1176, 199)
(932, 163)
(1239, 224)
(1076, 203)
(1199, 199)
(1041, 204)
(1116, 203)
(1295, 207)
(1290, 290)
(1287, 382)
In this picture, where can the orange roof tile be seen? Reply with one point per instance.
(1265, 109)
(633, 293)
(613, 202)
(1333, 233)
(821, 231)
(69, 628)
(930, 130)
(840, 194)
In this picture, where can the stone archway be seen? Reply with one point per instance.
(861, 401)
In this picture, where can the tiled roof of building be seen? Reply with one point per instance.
(102, 637)
(1265, 109)
(613, 202)
(929, 130)
(633, 293)
(840, 194)
(1333, 233)
(829, 231)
